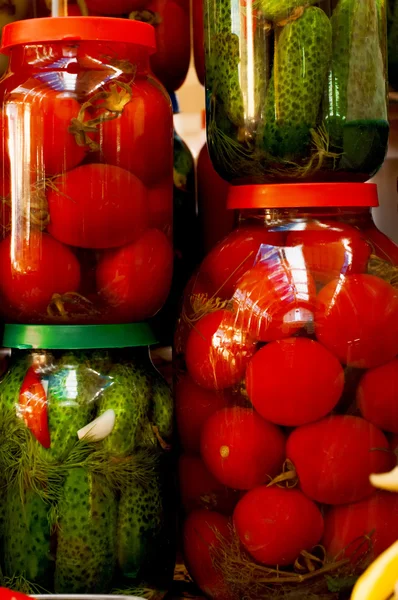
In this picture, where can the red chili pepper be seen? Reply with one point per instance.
(6, 594)
(33, 407)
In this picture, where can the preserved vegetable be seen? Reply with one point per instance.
(296, 91)
(85, 438)
(286, 396)
(84, 238)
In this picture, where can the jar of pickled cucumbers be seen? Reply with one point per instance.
(86, 504)
(86, 173)
(296, 90)
(286, 387)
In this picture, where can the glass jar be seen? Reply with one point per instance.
(215, 220)
(296, 92)
(286, 389)
(86, 499)
(86, 159)
(171, 20)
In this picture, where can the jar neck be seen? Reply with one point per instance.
(74, 58)
(274, 217)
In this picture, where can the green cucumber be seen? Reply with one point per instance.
(27, 551)
(71, 395)
(86, 555)
(129, 396)
(357, 87)
(279, 10)
(222, 75)
(11, 383)
(295, 91)
(163, 406)
(140, 521)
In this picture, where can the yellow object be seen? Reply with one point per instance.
(380, 580)
(386, 481)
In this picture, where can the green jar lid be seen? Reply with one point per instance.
(77, 337)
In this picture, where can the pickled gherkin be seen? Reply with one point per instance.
(356, 114)
(85, 440)
(129, 396)
(27, 548)
(296, 91)
(277, 10)
(298, 80)
(85, 560)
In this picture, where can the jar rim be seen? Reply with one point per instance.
(303, 195)
(78, 29)
(77, 337)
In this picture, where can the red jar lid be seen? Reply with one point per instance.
(303, 195)
(70, 29)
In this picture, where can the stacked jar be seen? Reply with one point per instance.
(286, 395)
(286, 347)
(87, 161)
(85, 259)
(296, 92)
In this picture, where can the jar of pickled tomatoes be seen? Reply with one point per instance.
(296, 89)
(86, 159)
(286, 388)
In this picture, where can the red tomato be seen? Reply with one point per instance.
(40, 268)
(331, 249)
(160, 200)
(136, 279)
(114, 7)
(394, 445)
(218, 351)
(74, 10)
(241, 449)
(216, 221)
(274, 300)
(275, 524)
(196, 294)
(97, 206)
(141, 139)
(382, 246)
(194, 405)
(33, 407)
(44, 116)
(334, 458)
(377, 396)
(199, 539)
(170, 62)
(305, 381)
(357, 320)
(234, 255)
(199, 489)
(6, 594)
(198, 41)
(346, 526)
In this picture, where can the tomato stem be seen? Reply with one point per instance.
(288, 478)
